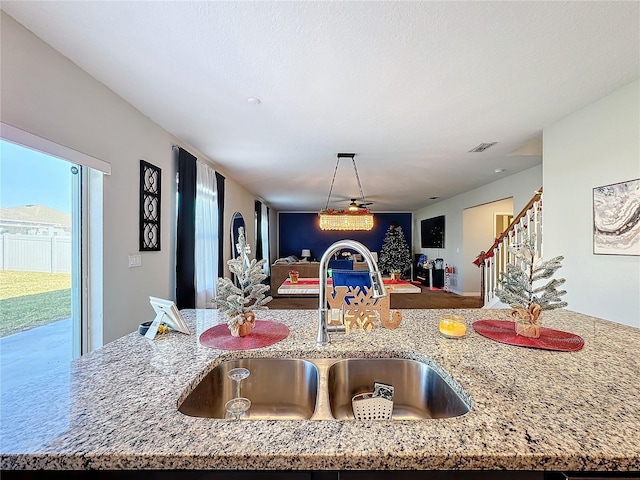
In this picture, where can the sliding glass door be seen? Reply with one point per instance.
(40, 279)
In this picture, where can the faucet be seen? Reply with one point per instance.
(376, 284)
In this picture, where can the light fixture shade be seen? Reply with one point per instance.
(345, 221)
(306, 252)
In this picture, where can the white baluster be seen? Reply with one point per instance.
(486, 281)
(529, 223)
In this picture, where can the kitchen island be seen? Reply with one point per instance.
(531, 409)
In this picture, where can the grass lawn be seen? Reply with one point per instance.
(32, 299)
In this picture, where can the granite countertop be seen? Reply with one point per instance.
(531, 409)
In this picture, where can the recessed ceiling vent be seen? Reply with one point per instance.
(482, 147)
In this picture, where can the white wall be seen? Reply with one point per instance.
(595, 146)
(46, 94)
(520, 187)
(478, 230)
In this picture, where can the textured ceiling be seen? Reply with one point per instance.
(410, 87)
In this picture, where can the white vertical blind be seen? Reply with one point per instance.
(206, 236)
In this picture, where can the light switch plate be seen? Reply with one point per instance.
(135, 261)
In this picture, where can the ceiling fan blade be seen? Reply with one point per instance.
(360, 205)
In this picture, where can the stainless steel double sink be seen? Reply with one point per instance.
(322, 389)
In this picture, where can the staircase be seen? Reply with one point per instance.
(494, 260)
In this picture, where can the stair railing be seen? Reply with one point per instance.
(496, 257)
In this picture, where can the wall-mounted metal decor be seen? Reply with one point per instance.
(616, 218)
(150, 177)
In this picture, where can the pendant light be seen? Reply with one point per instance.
(356, 217)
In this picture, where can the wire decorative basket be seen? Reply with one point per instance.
(367, 407)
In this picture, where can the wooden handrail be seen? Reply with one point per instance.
(489, 253)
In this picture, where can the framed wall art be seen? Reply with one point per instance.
(616, 218)
(149, 237)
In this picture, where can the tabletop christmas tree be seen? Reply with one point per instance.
(237, 300)
(394, 255)
(517, 286)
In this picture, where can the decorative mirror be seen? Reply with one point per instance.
(237, 221)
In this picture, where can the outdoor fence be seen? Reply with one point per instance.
(32, 253)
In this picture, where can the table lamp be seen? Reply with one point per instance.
(306, 253)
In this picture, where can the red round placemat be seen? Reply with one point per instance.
(504, 331)
(263, 334)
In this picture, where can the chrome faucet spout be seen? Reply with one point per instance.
(376, 282)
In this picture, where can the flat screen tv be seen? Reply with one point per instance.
(432, 232)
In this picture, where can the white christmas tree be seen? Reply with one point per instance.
(518, 284)
(394, 255)
(249, 293)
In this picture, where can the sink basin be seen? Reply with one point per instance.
(279, 389)
(322, 389)
(419, 391)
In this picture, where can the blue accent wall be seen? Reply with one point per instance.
(301, 230)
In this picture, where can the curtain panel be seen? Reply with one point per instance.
(262, 234)
(185, 235)
(258, 224)
(206, 238)
(265, 239)
(220, 189)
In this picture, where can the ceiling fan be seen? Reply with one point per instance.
(353, 206)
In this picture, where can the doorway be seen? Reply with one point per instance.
(479, 226)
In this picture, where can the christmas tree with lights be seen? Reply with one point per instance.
(394, 255)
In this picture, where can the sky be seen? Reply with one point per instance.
(28, 177)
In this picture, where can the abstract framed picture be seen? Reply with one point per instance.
(616, 218)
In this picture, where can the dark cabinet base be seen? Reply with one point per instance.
(430, 277)
(437, 276)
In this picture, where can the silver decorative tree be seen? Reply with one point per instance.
(518, 285)
(235, 301)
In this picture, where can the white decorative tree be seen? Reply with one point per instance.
(394, 255)
(518, 284)
(238, 301)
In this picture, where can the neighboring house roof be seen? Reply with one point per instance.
(35, 214)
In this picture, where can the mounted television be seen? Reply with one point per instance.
(432, 232)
